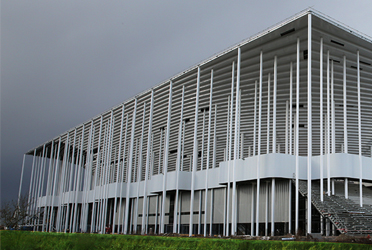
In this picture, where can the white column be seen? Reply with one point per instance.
(359, 133)
(321, 118)
(259, 148)
(20, 182)
(211, 213)
(255, 118)
(38, 187)
(93, 221)
(286, 127)
(29, 189)
(345, 120)
(290, 207)
(213, 164)
(328, 129)
(226, 158)
(166, 154)
(88, 165)
(147, 168)
(120, 220)
(333, 110)
(61, 186)
(33, 193)
(290, 108)
(252, 211)
(208, 155)
(309, 123)
(178, 162)
(140, 163)
(296, 131)
(200, 209)
(129, 169)
(156, 214)
(195, 153)
(54, 186)
(70, 183)
(230, 149)
(117, 170)
(236, 146)
(274, 104)
(267, 208)
(268, 116)
(273, 207)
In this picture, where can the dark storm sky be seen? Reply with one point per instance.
(63, 62)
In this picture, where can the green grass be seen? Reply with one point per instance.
(38, 240)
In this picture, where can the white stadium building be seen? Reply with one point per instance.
(271, 136)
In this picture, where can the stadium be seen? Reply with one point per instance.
(269, 137)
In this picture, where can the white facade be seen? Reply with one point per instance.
(231, 139)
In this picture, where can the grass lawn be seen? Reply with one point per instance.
(38, 240)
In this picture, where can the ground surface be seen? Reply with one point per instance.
(38, 240)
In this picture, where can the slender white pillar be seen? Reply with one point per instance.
(333, 110)
(70, 183)
(20, 182)
(195, 152)
(33, 192)
(29, 189)
(254, 118)
(290, 207)
(297, 132)
(129, 169)
(328, 128)
(202, 142)
(160, 149)
(105, 167)
(266, 207)
(259, 148)
(274, 103)
(178, 162)
(345, 119)
(139, 175)
(359, 133)
(78, 183)
(38, 186)
(236, 145)
(226, 158)
(166, 154)
(252, 211)
(286, 127)
(333, 186)
(86, 178)
(51, 218)
(211, 213)
(273, 207)
(147, 168)
(309, 123)
(93, 221)
(156, 214)
(268, 115)
(241, 156)
(208, 155)
(117, 170)
(229, 154)
(224, 210)
(290, 108)
(213, 165)
(61, 186)
(122, 175)
(321, 153)
(200, 210)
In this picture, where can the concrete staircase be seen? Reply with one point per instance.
(345, 214)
